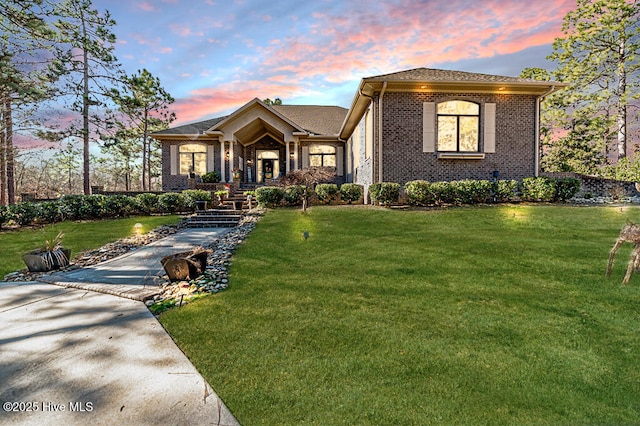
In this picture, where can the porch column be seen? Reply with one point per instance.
(222, 161)
(231, 144)
(288, 157)
(295, 155)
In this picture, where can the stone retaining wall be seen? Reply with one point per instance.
(599, 187)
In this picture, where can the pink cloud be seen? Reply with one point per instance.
(180, 30)
(147, 6)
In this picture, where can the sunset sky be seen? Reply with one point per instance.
(215, 55)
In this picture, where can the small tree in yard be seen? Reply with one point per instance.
(308, 178)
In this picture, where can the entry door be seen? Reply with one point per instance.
(268, 165)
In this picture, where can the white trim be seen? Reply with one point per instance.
(428, 127)
(222, 165)
(173, 159)
(490, 128)
(210, 165)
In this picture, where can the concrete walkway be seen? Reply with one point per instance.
(73, 356)
(134, 275)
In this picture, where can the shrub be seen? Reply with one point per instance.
(119, 205)
(48, 212)
(538, 189)
(211, 177)
(171, 202)
(147, 203)
(5, 215)
(269, 195)
(385, 193)
(443, 193)
(505, 189)
(471, 191)
(190, 197)
(82, 207)
(23, 213)
(327, 192)
(567, 188)
(350, 192)
(293, 194)
(419, 193)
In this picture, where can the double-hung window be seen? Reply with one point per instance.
(322, 156)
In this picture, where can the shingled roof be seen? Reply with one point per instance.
(315, 119)
(192, 128)
(431, 74)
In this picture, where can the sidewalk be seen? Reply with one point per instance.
(72, 356)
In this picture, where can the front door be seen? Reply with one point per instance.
(268, 166)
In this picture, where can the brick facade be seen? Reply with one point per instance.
(403, 156)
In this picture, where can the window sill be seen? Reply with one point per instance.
(461, 156)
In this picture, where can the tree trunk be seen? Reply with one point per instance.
(3, 157)
(11, 187)
(622, 103)
(147, 143)
(85, 115)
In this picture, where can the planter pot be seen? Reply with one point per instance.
(44, 261)
(201, 205)
(236, 175)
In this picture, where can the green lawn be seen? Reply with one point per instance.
(484, 315)
(79, 236)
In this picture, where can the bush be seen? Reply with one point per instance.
(293, 194)
(5, 215)
(538, 189)
(211, 177)
(48, 212)
(567, 188)
(350, 192)
(471, 191)
(147, 203)
(327, 192)
(23, 213)
(385, 193)
(443, 193)
(119, 206)
(419, 193)
(82, 207)
(505, 189)
(171, 202)
(190, 197)
(269, 195)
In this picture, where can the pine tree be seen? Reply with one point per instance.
(90, 64)
(598, 56)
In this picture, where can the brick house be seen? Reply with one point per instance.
(429, 124)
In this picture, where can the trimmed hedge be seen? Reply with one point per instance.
(385, 193)
(350, 192)
(269, 195)
(327, 192)
(294, 194)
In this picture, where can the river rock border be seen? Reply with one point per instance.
(215, 277)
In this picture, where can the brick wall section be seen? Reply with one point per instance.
(179, 182)
(599, 187)
(402, 139)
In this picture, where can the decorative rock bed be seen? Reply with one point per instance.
(215, 277)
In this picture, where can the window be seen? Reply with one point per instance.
(458, 126)
(322, 156)
(193, 157)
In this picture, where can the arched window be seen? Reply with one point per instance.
(193, 158)
(322, 156)
(458, 126)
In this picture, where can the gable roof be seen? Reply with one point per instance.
(315, 119)
(312, 119)
(429, 80)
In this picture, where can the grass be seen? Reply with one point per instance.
(79, 236)
(484, 315)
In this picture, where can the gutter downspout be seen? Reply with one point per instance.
(537, 136)
(384, 88)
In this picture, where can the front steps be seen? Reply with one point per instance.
(214, 218)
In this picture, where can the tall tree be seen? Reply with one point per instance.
(598, 56)
(145, 103)
(25, 37)
(90, 63)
